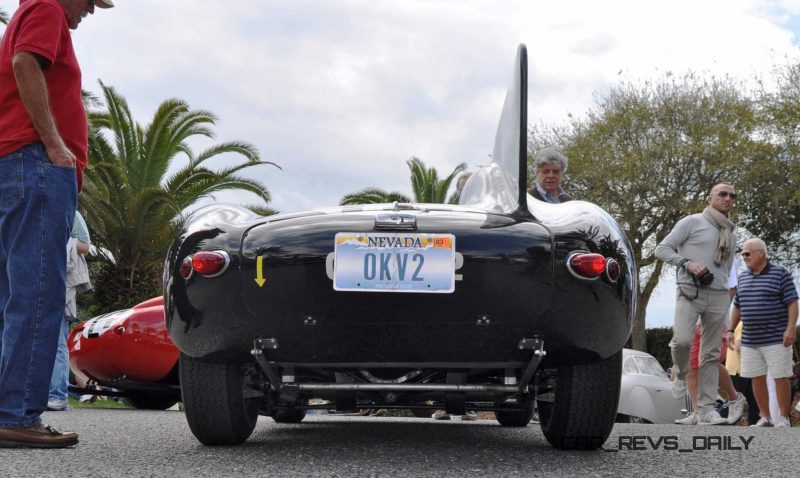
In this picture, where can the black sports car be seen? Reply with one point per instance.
(497, 303)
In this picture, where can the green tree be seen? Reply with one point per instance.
(141, 181)
(4, 18)
(373, 196)
(770, 189)
(648, 153)
(425, 184)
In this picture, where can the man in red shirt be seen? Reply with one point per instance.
(43, 150)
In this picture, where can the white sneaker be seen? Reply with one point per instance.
(690, 419)
(440, 415)
(782, 422)
(736, 408)
(679, 388)
(762, 422)
(56, 405)
(710, 418)
(469, 416)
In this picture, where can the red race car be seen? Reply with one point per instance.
(127, 353)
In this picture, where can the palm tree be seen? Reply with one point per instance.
(425, 183)
(4, 18)
(133, 195)
(373, 196)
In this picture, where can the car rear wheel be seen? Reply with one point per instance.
(584, 406)
(143, 401)
(214, 402)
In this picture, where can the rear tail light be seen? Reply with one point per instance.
(186, 267)
(584, 265)
(210, 263)
(612, 270)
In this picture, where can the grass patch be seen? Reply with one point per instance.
(97, 404)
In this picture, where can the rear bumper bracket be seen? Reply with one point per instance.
(537, 345)
(259, 346)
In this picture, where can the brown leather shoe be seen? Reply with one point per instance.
(37, 436)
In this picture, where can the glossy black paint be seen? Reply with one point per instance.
(515, 285)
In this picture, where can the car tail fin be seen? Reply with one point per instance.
(511, 141)
(502, 186)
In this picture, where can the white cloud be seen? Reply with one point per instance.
(342, 93)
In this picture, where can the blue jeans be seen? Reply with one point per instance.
(37, 206)
(59, 381)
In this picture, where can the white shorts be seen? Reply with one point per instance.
(773, 359)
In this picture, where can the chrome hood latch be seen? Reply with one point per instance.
(396, 221)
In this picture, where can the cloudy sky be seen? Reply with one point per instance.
(341, 93)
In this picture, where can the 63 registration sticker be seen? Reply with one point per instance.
(394, 262)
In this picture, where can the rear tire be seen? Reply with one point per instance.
(584, 408)
(213, 399)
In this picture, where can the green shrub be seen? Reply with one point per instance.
(658, 345)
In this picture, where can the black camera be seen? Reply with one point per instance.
(706, 279)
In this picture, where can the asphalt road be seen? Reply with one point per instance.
(142, 443)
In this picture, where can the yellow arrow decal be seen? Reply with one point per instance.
(260, 271)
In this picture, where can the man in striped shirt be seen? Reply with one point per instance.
(766, 303)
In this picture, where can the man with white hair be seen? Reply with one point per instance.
(766, 303)
(551, 165)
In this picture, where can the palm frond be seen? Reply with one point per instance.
(373, 196)
(242, 148)
(260, 209)
(133, 208)
(122, 125)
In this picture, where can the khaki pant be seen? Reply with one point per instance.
(711, 307)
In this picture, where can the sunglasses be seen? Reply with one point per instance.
(724, 194)
(747, 254)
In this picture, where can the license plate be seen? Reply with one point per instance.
(394, 262)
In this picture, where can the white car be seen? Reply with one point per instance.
(646, 391)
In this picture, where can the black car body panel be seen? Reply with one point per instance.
(514, 284)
